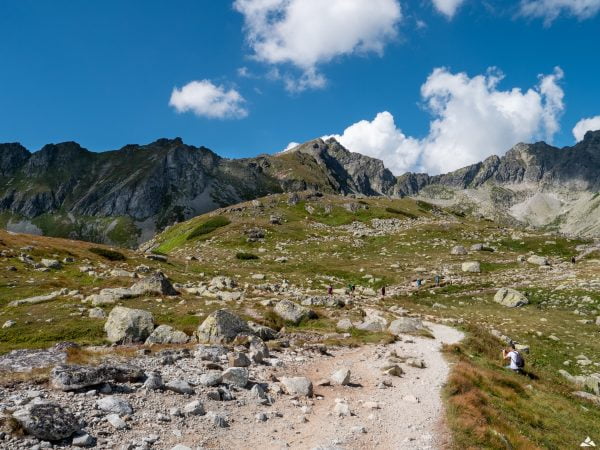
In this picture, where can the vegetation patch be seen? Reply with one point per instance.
(246, 256)
(111, 255)
(208, 227)
(400, 212)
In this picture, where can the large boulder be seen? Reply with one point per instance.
(297, 386)
(157, 283)
(405, 325)
(165, 334)
(221, 326)
(510, 297)
(373, 323)
(293, 312)
(538, 260)
(47, 421)
(75, 377)
(126, 325)
(471, 266)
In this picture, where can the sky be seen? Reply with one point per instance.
(424, 85)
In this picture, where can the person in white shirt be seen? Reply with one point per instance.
(515, 358)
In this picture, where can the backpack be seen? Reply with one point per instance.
(519, 361)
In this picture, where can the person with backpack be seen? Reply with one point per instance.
(517, 363)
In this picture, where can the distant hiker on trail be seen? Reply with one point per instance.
(573, 259)
(418, 283)
(383, 291)
(437, 280)
(330, 290)
(516, 360)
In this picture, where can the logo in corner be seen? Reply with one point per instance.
(588, 443)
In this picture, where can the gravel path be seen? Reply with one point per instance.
(410, 413)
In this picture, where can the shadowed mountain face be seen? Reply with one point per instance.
(126, 196)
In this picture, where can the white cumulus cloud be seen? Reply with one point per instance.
(585, 125)
(206, 99)
(549, 10)
(471, 119)
(306, 33)
(447, 7)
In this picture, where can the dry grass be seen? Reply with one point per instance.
(35, 376)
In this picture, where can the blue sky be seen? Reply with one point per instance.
(102, 73)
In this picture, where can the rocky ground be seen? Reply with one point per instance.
(246, 333)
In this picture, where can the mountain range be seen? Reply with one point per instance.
(126, 196)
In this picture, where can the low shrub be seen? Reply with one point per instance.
(245, 256)
(111, 255)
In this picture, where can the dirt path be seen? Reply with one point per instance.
(410, 413)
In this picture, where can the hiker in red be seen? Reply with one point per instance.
(330, 290)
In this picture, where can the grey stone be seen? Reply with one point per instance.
(115, 405)
(96, 313)
(211, 378)
(221, 326)
(157, 284)
(194, 408)
(510, 298)
(75, 377)
(340, 377)
(179, 386)
(165, 334)
(153, 381)
(51, 263)
(538, 260)
(458, 250)
(85, 440)
(297, 386)
(238, 359)
(293, 312)
(116, 422)
(405, 325)
(471, 266)
(237, 376)
(125, 325)
(47, 421)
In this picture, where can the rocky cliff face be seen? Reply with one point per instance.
(576, 167)
(127, 195)
(535, 184)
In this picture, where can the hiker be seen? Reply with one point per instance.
(330, 290)
(573, 259)
(418, 283)
(383, 291)
(516, 360)
(437, 280)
